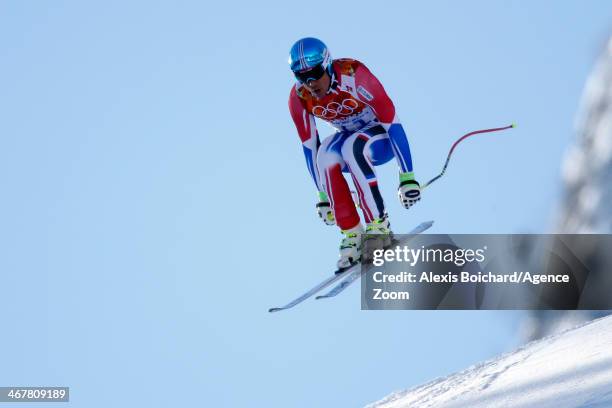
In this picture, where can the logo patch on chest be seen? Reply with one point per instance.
(364, 92)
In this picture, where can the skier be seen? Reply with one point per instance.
(346, 94)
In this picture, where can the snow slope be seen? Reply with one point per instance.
(572, 369)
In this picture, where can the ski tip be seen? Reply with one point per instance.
(513, 125)
(321, 297)
(275, 309)
(427, 224)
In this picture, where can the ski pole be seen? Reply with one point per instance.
(450, 152)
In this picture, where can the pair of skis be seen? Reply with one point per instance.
(347, 276)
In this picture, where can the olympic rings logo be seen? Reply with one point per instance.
(333, 109)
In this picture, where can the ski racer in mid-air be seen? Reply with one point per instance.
(346, 94)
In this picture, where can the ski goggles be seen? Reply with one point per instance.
(312, 74)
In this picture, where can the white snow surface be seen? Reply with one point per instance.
(572, 369)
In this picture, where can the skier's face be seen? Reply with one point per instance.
(318, 87)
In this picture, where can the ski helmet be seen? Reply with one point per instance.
(309, 58)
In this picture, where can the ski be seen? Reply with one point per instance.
(339, 274)
(356, 274)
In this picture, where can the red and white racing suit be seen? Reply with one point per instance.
(368, 134)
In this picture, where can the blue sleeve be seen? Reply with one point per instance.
(400, 145)
(310, 153)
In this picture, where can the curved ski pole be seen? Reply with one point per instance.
(450, 152)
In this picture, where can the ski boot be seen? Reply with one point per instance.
(378, 235)
(350, 247)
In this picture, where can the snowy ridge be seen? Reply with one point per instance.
(588, 165)
(587, 191)
(572, 369)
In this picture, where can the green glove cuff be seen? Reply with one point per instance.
(408, 176)
(323, 196)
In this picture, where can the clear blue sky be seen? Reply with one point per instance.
(155, 201)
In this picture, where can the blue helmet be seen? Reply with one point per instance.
(309, 53)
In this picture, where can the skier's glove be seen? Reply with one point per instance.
(324, 209)
(409, 190)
